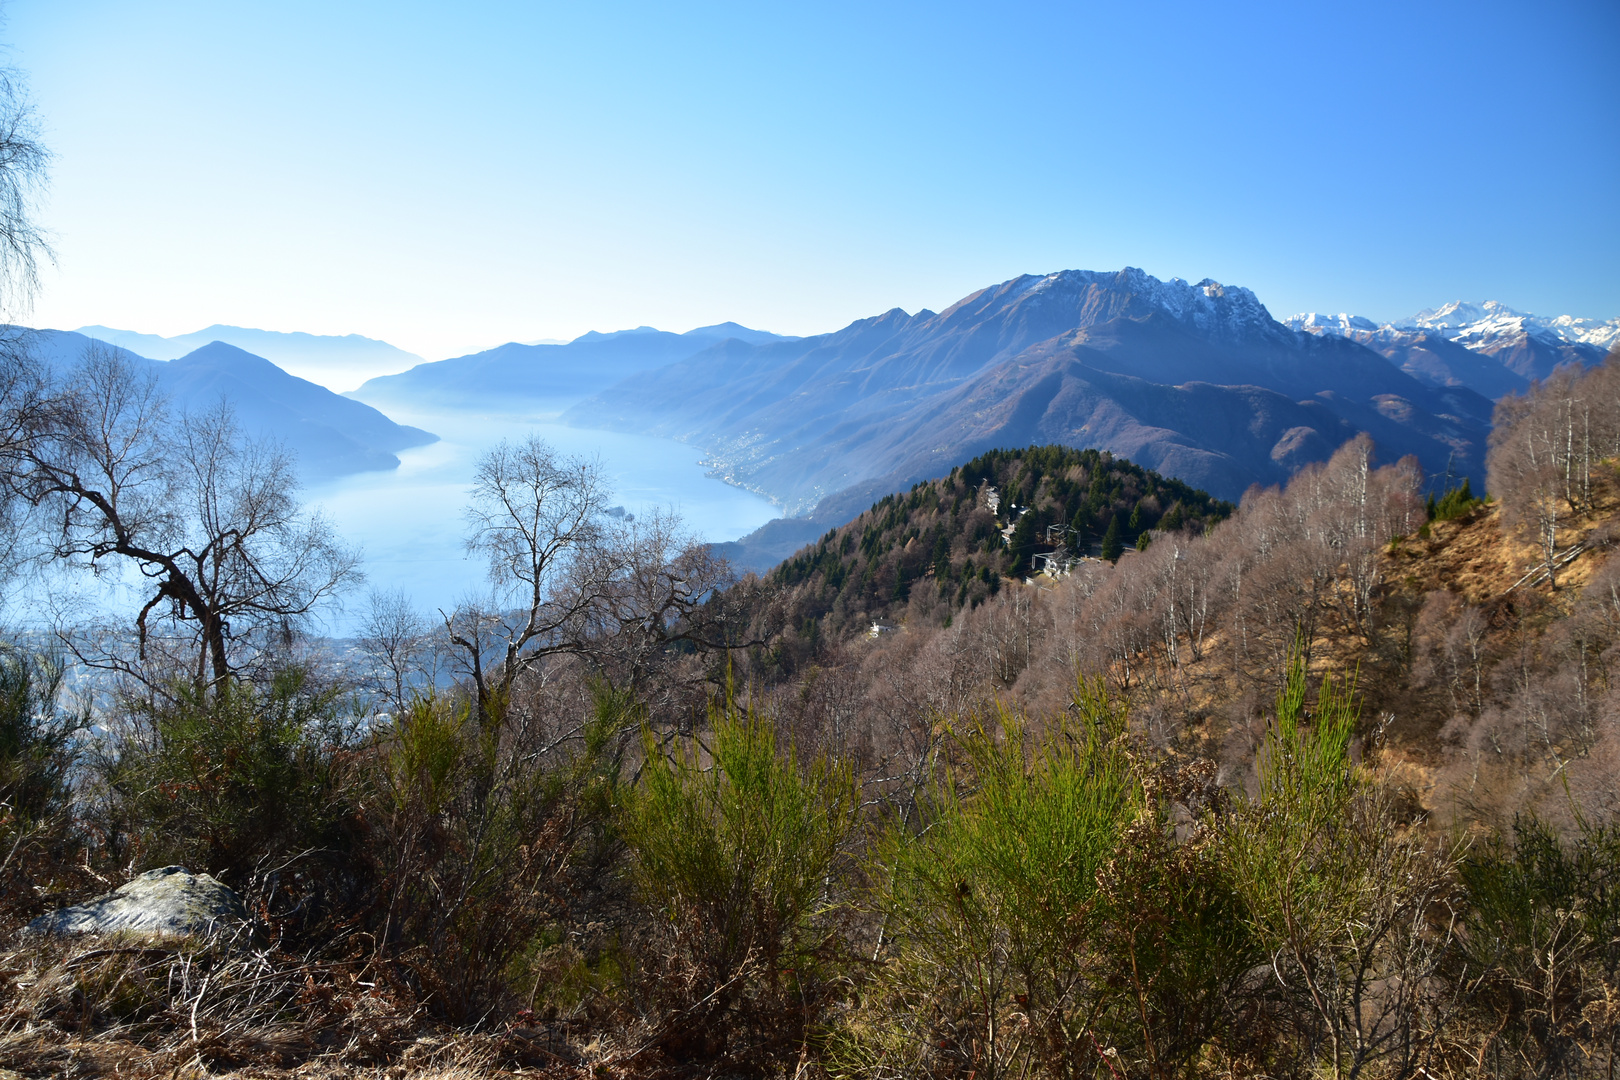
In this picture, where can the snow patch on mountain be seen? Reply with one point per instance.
(1317, 323)
(1604, 333)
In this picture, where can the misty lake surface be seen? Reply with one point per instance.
(409, 524)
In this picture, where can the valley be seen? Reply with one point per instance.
(1198, 382)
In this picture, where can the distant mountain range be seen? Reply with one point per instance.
(1464, 321)
(585, 365)
(332, 435)
(1195, 381)
(338, 363)
(1487, 347)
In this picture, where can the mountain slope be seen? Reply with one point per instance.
(332, 435)
(588, 363)
(892, 397)
(1074, 390)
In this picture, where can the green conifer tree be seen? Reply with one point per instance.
(1112, 548)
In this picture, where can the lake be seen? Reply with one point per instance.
(409, 524)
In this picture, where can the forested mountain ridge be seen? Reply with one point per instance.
(949, 543)
(1196, 381)
(1486, 632)
(1465, 616)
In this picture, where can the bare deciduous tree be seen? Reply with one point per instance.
(1543, 449)
(395, 640)
(23, 166)
(537, 517)
(227, 560)
(568, 581)
(24, 161)
(657, 580)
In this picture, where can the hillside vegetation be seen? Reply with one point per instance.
(1322, 784)
(1351, 562)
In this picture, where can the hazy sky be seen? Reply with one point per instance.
(451, 176)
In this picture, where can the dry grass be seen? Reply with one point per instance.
(1477, 559)
(152, 1007)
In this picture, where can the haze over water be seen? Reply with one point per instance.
(409, 522)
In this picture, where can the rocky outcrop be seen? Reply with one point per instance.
(169, 901)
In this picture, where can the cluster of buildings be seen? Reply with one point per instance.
(1055, 563)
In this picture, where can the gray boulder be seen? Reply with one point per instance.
(171, 900)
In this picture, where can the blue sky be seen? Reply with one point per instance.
(451, 176)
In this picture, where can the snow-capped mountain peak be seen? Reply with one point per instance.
(1463, 321)
(1341, 324)
(1604, 333)
(1451, 319)
(1469, 323)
